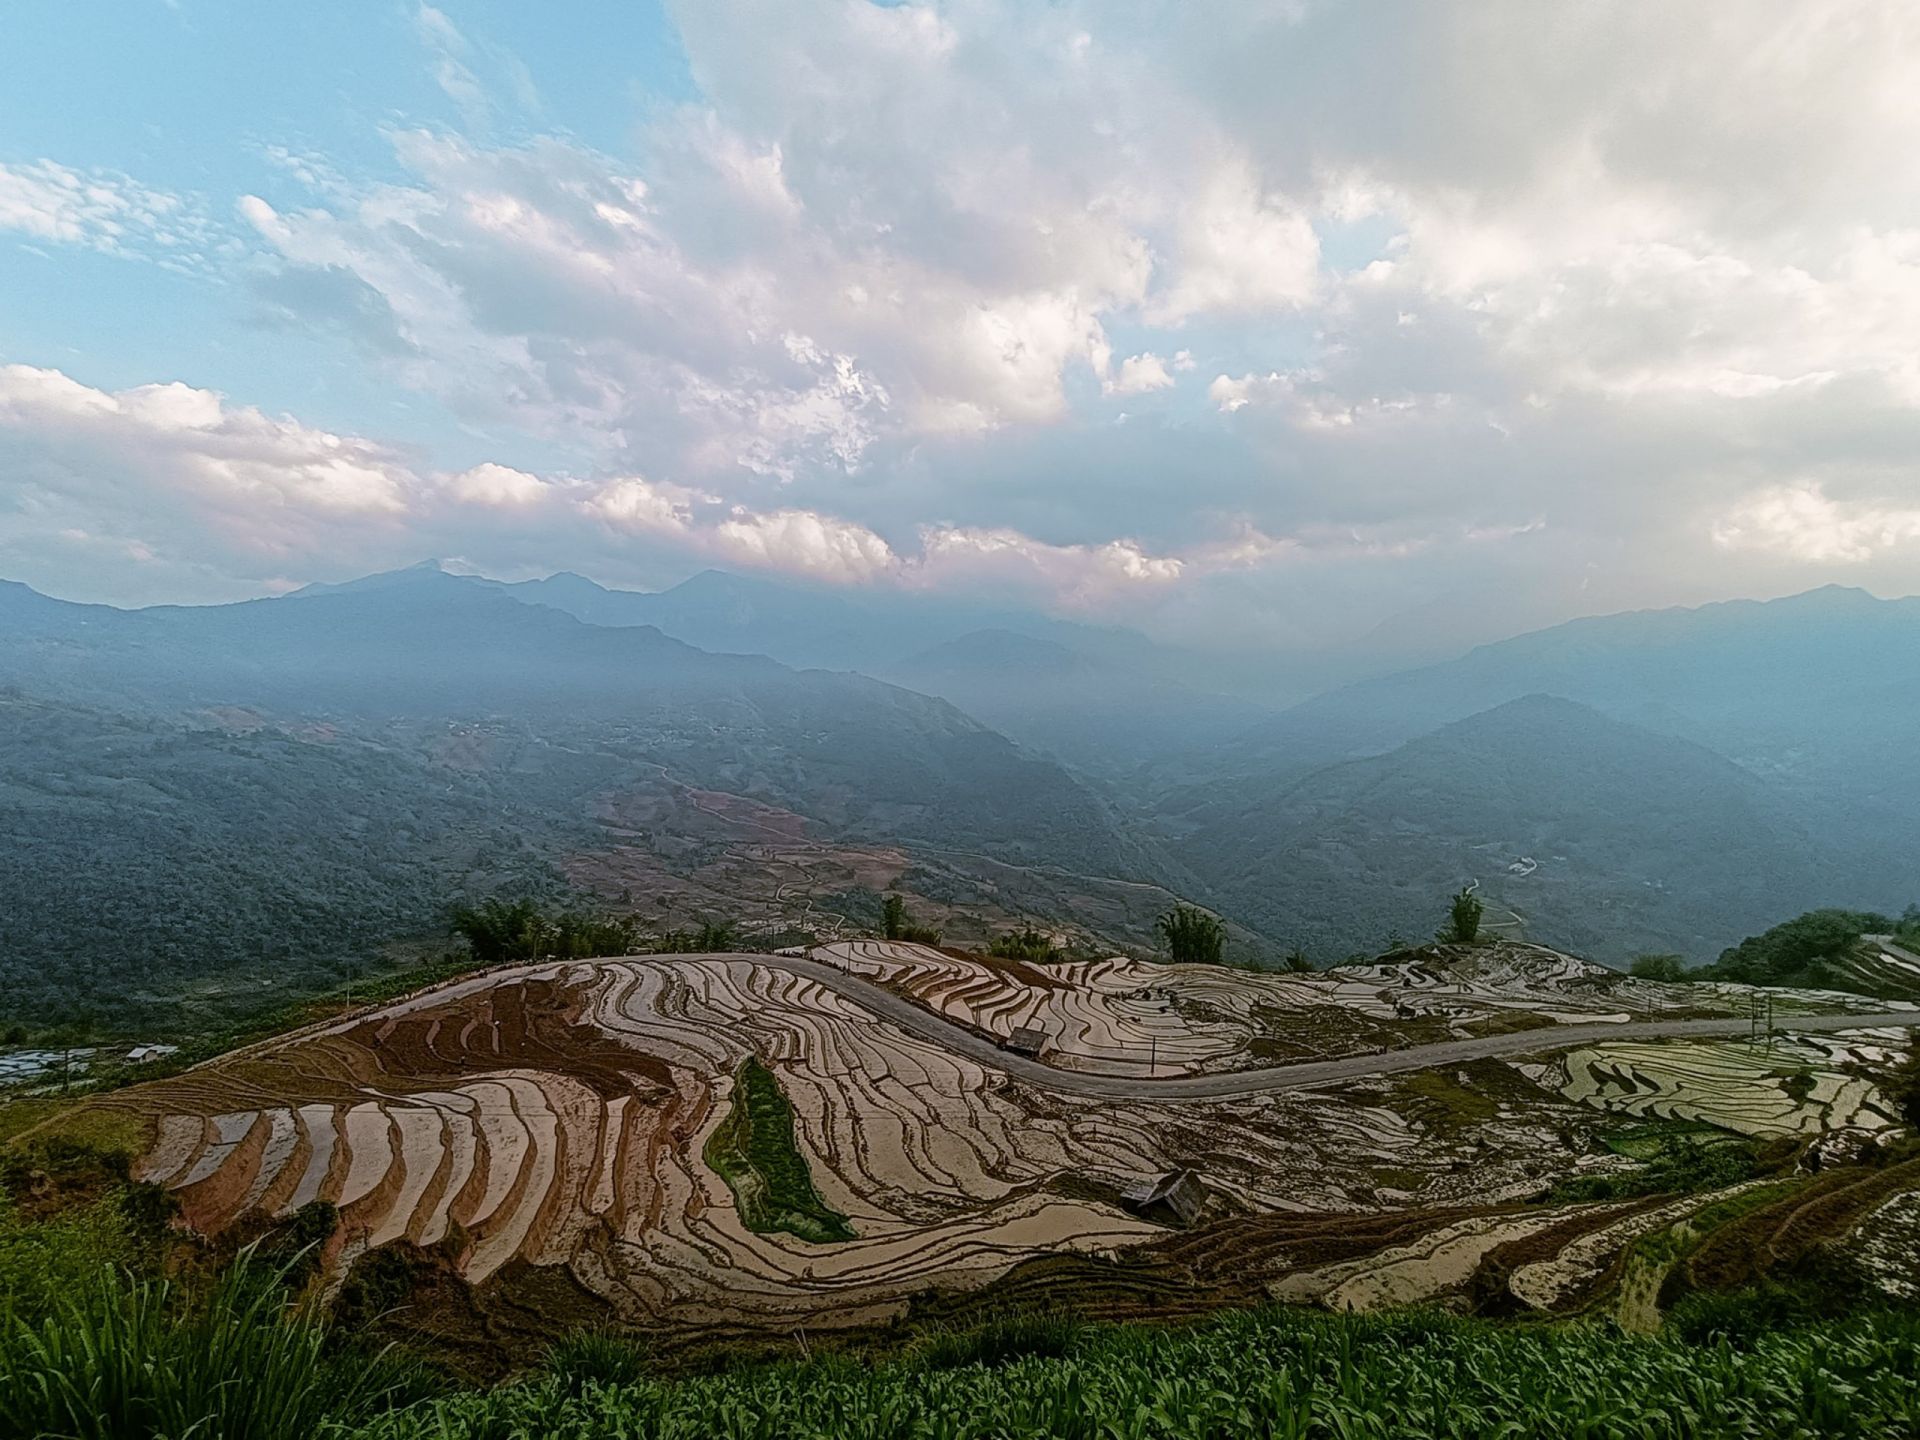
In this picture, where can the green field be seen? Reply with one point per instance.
(1264, 1373)
(754, 1152)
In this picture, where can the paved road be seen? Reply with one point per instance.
(924, 1023)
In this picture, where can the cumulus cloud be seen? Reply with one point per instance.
(1565, 304)
(1802, 522)
(158, 469)
(1139, 374)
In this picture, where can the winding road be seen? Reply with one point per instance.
(922, 1022)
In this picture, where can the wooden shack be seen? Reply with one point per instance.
(1027, 1040)
(1175, 1198)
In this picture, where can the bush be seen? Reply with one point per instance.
(1024, 944)
(1685, 1166)
(596, 1357)
(120, 1357)
(1463, 919)
(1000, 1340)
(1658, 967)
(896, 926)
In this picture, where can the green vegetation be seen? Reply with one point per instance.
(1269, 1373)
(1463, 919)
(1193, 936)
(711, 937)
(1005, 1338)
(1677, 1160)
(1904, 1089)
(499, 932)
(1669, 968)
(596, 1357)
(754, 1152)
(1815, 949)
(897, 926)
(1025, 943)
(118, 1357)
(1297, 963)
(1448, 1101)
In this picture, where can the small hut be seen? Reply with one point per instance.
(1027, 1040)
(1174, 1199)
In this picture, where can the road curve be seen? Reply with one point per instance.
(962, 1041)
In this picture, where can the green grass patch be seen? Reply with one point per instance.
(1676, 1159)
(754, 1152)
(1272, 1372)
(1447, 1100)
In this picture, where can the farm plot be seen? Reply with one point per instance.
(1795, 1085)
(590, 1116)
(714, 1144)
(1122, 1016)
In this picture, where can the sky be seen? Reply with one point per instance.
(1279, 325)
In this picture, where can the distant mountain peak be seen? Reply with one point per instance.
(420, 572)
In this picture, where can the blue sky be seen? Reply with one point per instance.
(1282, 328)
(212, 101)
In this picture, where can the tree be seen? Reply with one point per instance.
(1463, 919)
(893, 916)
(499, 932)
(713, 937)
(1026, 943)
(1297, 962)
(1658, 967)
(1193, 936)
(1801, 950)
(1904, 1090)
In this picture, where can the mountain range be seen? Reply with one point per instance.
(349, 758)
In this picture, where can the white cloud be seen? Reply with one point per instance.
(497, 485)
(1138, 375)
(235, 461)
(1074, 577)
(101, 210)
(1239, 250)
(1803, 523)
(1631, 274)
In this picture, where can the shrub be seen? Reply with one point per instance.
(1463, 919)
(123, 1357)
(596, 1357)
(1193, 936)
(1024, 944)
(897, 926)
(1000, 1340)
(1658, 967)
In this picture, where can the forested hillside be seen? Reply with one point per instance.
(1603, 837)
(229, 801)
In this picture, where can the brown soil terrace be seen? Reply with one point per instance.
(540, 1131)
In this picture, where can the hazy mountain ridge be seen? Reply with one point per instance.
(1629, 840)
(1094, 697)
(483, 723)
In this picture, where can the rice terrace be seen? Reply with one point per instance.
(722, 1146)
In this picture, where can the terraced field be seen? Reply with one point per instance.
(1121, 1016)
(585, 1125)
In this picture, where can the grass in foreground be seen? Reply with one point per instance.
(119, 1357)
(754, 1152)
(1265, 1373)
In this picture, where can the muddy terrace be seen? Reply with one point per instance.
(569, 1141)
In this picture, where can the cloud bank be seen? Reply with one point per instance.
(1262, 324)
